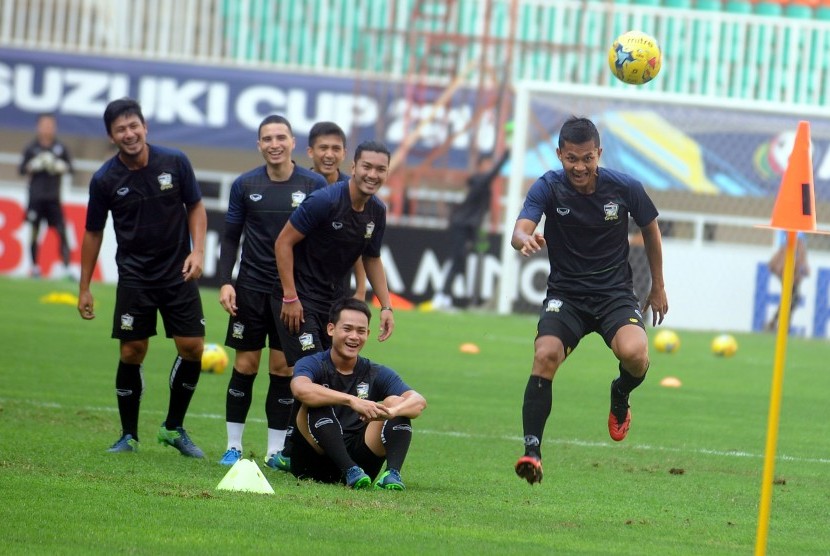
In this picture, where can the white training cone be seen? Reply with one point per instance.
(245, 476)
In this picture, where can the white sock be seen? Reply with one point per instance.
(276, 441)
(235, 435)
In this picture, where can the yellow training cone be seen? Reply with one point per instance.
(245, 476)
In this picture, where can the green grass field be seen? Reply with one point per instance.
(686, 480)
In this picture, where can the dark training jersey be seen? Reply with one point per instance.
(587, 235)
(148, 213)
(44, 185)
(335, 237)
(259, 207)
(368, 381)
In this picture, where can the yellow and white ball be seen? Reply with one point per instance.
(724, 345)
(214, 359)
(667, 341)
(635, 58)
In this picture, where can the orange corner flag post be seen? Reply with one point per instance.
(794, 212)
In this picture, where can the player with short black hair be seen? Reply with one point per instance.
(160, 225)
(260, 204)
(353, 413)
(46, 160)
(590, 286)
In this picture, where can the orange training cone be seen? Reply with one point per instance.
(795, 206)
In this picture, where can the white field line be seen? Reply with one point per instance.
(456, 434)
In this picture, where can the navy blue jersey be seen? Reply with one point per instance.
(45, 183)
(149, 215)
(368, 381)
(263, 206)
(335, 237)
(587, 235)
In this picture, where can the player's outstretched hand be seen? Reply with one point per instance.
(533, 244)
(227, 299)
(387, 325)
(86, 305)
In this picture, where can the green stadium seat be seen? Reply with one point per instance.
(769, 8)
(685, 4)
(709, 5)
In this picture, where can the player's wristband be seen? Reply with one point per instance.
(387, 309)
(290, 299)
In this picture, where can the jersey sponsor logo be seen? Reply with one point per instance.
(363, 390)
(306, 341)
(611, 211)
(165, 181)
(562, 211)
(236, 393)
(296, 198)
(127, 321)
(337, 225)
(370, 228)
(238, 330)
(123, 392)
(553, 306)
(122, 191)
(255, 197)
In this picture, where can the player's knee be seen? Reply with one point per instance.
(546, 359)
(190, 348)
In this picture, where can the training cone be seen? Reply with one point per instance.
(245, 476)
(795, 206)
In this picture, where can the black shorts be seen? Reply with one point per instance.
(254, 322)
(572, 318)
(313, 336)
(306, 463)
(51, 211)
(136, 312)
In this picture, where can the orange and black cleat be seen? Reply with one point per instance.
(529, 468)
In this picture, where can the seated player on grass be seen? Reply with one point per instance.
(353, 413)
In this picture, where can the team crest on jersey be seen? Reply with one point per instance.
(611, 211)
(562, 211)
(296, 198)
(255, 197)
(370, 228)
(337, 225)
(165, 181)
(127, 321)
(553, 306)
(306, 341)
(122, 191)
(363, 390)
(238, 330)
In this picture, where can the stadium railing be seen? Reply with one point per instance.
(779, 56)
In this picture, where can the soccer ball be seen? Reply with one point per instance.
(635, 58)
(724, 345)
(666, 341)
(214, 359)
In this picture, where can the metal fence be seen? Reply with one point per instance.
(709, 53)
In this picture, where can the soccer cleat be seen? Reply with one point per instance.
(619, 419)
(279, 462)
(529, 468)
(180, 441)
(389, 480)
(124, 444)
(357, 479)
(231, 457)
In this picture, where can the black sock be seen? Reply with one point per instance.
(278, 403)
(183, 379)
(239, 397)
(396, 434)
(326, 430)
(535, 412)
(129, 385)
(627, 382)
